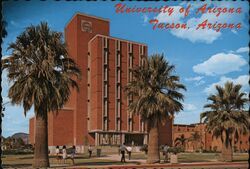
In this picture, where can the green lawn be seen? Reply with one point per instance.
(197, 157)
(25, 161)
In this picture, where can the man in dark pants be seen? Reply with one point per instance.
(123, 149)
(90, 149)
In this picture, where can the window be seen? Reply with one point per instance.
(118, 108)
(130, 76)
(105, 74)
(118, 60)
(130, 48)
(118, 75)
(105, 42)
(130, 62)
(130, 124)
(105, 57)
(118, 123)
(105, 123)
(118, 44)
(105, 108)
(118, 92)
(105, 90)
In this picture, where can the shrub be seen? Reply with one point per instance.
(175, 150)
(144, 148)
(17, 151)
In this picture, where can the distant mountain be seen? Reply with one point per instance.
(23, 136)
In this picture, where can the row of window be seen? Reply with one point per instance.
(118, 84)
(105, 82)
(141, 62)
(88, 90)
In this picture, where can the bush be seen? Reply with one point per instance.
(144, 148)
(215, 149)
(18, 151)
(161, 148)
(175, 150)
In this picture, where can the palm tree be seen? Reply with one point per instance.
(156, 96)
(43, 75)
(226, 117)
(181, 140)
(195, 138)
(3, 35)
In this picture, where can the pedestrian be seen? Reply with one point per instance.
(64, 154)
(57, 150)
(58, 156)
(122, 150)
(129, 150)
(165, 151)
(73, 153)
(90, 149)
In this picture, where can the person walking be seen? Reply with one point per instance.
(73, 153)
(57, 150)
(90, 149)
(58, 156)
(165, 150)
(129, 150)
(122, 150)
(64, 154)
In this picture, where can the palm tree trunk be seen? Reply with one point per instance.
(153, 147)
(226, 153)
(41, 142)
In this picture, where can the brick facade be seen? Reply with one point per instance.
(206, 142)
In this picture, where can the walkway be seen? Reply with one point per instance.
(142, 164)
(210, 165)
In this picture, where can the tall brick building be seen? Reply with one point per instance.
(98, 113)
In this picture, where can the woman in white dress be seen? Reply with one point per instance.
(64, 153)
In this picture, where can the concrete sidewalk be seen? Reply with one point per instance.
(117, 157)
(203, 165)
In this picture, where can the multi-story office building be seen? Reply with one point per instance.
(98, 114)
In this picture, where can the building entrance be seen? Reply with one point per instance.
(134, 139)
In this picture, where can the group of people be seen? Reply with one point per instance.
(122, 150)
(62, 155)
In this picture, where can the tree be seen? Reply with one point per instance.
(155, 97)
(43, 75)
(19, 142)
(226, 117)
(181, 140)
(3, 35)
(195, 138)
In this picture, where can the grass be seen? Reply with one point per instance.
(25, 161)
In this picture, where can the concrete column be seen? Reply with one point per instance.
(145, 140)
(96, 139)
(123, 138)
(75, 141)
